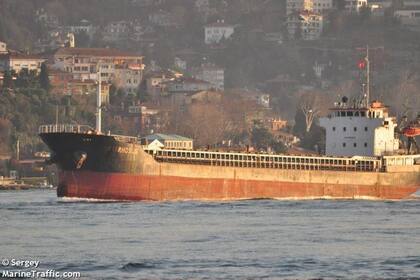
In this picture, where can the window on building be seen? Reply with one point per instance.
(366, 128)
(344, 145)
(365, 144)
(355, 145)
(344, 129)
(355, 128)
(333, 128)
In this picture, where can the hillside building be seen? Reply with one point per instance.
(123, 68)
(354, 6)
(215, 32)
(305, 25)
(17, 62)
(211, 73)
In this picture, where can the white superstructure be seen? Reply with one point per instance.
(360, 130)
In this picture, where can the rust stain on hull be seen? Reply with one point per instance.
(88, 184)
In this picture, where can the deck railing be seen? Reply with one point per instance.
(268, 161)
(68, 128)
(82, 129)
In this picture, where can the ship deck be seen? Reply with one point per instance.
(253, 160)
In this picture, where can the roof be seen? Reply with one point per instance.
(187, 80)
(219, 24)
(19, 56)
(210, 66)
(166, 137)
(95, 52)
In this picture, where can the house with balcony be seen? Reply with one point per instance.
(87, 63)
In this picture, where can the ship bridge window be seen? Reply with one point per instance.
(342, 114)
(350, 114)
(363, 114)
(356, 114)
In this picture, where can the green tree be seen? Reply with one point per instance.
(142, 94)
(7, 79)
(26, 79)
(44, 80)
(261, 137)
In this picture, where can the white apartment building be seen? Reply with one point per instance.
(128, 78)
(354, 6)
(83, 26)
(360, 131)
(298, 6)
(411, 3)
(18, 62)
(305, 25)
(115, 31)
(84, 64)
(215, 32)
(408, 16)
(211, 73)
(322, 6)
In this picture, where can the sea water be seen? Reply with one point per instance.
(252, 239)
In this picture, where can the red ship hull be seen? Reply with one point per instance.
(122, 186)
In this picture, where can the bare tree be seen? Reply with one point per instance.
(309, 104)
(407, 89)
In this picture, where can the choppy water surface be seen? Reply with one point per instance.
(242, 239)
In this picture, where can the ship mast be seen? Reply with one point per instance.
(98, 102)
(367, 76)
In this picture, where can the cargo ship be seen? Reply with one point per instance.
(362, 161)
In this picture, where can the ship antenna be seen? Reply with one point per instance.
(98, 102)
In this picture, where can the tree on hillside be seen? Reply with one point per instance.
(310, 109)
(7, 80)
(44, 80)
(262, 139)
(26, 79)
